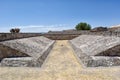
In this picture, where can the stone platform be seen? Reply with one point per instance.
(61, 64)
(36, 48)
(91, 50)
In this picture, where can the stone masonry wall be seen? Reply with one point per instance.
(89, 49)
(36, 47)
(60, 35)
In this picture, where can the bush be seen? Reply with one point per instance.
(16, 30)
(83, 26)
(12, 30)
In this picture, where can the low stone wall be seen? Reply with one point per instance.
(61, 36)
(15, 62)
(68, 35)
(20, 62)
(11, 36)
(103, 61)
(102, 33)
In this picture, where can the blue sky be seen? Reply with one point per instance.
(45, 15)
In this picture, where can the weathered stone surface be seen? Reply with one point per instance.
(6, 52)
(86, 46)
(36, 47)
(92, 45)
(19, 62)
(114, 51)
(103, 61)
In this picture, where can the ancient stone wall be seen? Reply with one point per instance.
(88, 47)
(35, 47)
(11, 36)
(60, 35)
(6, 52)
(68, 35)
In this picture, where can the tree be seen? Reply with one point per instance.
(12, 30)
(16, 30)
(83, 26)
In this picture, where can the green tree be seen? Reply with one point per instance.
(83, 26)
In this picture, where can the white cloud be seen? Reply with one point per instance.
(39, 28)
(43, 28)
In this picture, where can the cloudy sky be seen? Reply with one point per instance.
(45, 15)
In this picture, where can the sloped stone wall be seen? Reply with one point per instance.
(114, 51)
(6, 52)
(36, 47)
(86, 46)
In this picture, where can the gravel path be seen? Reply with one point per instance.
(61, 64)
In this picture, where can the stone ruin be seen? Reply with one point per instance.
(95, 51)
(26, 52)
(91, 50)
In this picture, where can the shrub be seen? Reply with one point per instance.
(83, 26)
(12, 30)
(15, 30)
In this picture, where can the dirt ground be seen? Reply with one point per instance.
(61, 64)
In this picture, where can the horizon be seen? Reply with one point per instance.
(56, 15)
